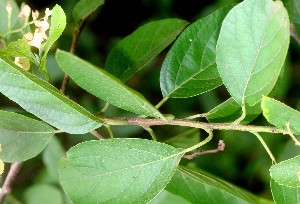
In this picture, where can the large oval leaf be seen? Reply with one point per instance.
(117, 171)
(22, 138)
(281, 115)
(105, 86)
(137, 49)
(200, 187)
(251, 48)
(287, 172)
(43, 100)
(190, 66)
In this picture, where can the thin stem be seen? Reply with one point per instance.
(103, 110)
(151, 132)
(209, 137)
(294, 33)
(161, 102)
(74, 45)
(96, 134)
(9, 180)
(292, 135)
(202, 115)
(265, 146)
(221, 147)
(111, 134)
(188, 123)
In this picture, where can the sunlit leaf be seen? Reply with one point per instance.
(200, 187)
(22, 138)
(287, 172)
(85, 7)
(252, 47)
(283, 194)
(137, 49)
(117, 170)
(44, 101)
(105, 86)
(57, 26)
(19, 48)
(281, 115)
(190, 66)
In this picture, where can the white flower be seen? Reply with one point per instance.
(25, 12)
(8, 7)
(35, 14)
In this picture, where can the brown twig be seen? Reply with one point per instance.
(9, 180)
(96, 134)
(75, 41)
(221, 147)
(294, 33)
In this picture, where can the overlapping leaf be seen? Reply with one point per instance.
(283, 194)
(250, 55)
(199, 187)
(281, 115)
(137, 49)
(230, 110)
(190, 66)
(287, 172)
(117, 171)
(43, 100)
(105, 86)
(22, 138)
(4, 17)
(85, 7)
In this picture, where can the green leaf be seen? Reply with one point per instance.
(185, 139)
(283, 194)
(200, 187)
(137, 49)
(296, 11)
(19, 48)
(165, 197)
(84, 8)
(250, 55)
(105, 86)
(230, 110)
(44, 101)
(43, 193)
(58, 24)
(22, 138)
(287, 172)
(117, 170)
(281, 115)
(190, 66)
(51, 155)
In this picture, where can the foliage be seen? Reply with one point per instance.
(243, 47)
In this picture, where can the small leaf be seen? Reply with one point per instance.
(250, 55)
(85, 7)
(283, 194)
(281, 115)
(58, 24)
(190, 66)
(287, 172)
(200, 187)
(44, 101)
(137, 49)
(117, 170)
(105, 86)
(22, 138)
(19, 48)
(230, 110)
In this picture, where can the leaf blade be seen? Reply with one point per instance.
(85, 7)
(135, 170)
(283, 194)
(44, 101)
(247, 52)
(280, 115)
(137, 49)
(104, 86)
(22, 138)
(189, 68)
